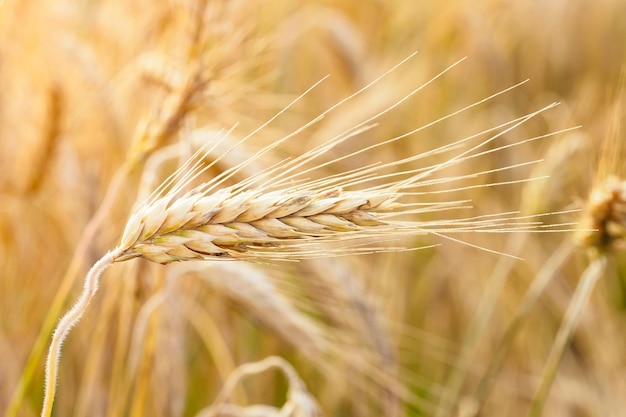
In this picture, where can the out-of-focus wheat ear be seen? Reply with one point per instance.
(40, 162)
(184, 86)
(362, 328)
(65, 325)
(299, 401)
(373, 366)
(205, 325)
(253, 289)
(603, 225)
(342, 35)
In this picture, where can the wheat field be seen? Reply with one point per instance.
(307, 208)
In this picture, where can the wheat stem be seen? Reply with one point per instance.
(544, 276)
(65, 325)
(581, 296)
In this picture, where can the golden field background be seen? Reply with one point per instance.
(98, 102)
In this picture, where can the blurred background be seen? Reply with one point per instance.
(100, 100)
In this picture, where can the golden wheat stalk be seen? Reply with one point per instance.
(282, 214)
(581, 296)
(65, 325)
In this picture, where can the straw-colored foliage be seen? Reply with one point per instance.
(245, 186)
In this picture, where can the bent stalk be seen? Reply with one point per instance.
(65, 325)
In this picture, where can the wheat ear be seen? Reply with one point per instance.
(291, 218)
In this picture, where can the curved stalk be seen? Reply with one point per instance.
(64, 326)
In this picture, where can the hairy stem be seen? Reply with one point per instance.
(65, 325)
